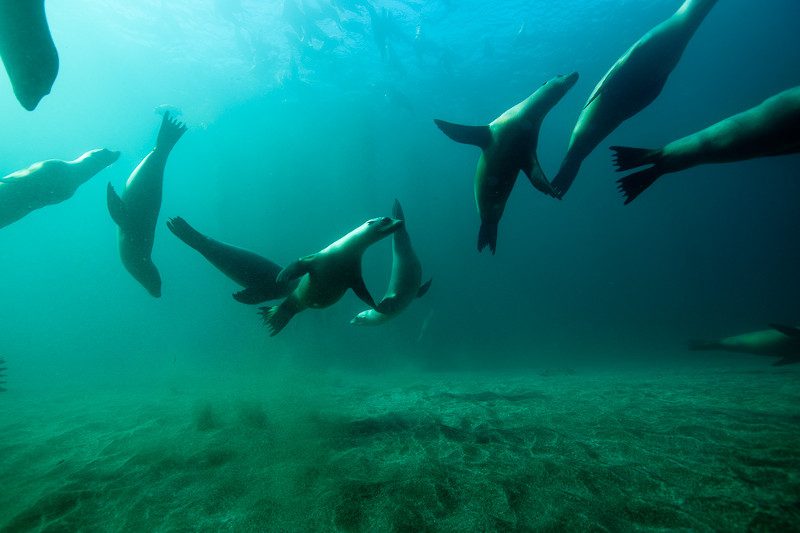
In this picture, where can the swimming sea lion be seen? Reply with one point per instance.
(780, 341)
(509, 146)
(635, 80)
(47, 183)
(255, 273)
(136, 212)
(404, 284)
(327, 274)
(27, 50)
(768, 129)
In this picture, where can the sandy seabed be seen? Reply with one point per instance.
(695, 450)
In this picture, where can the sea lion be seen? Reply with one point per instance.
(768, 129)
(255, 273)
(404, 285)
(47, 183)
(508, 146)
(780, 341)
(136, 212)
(635, 80)
(327, 274)
(27, 50)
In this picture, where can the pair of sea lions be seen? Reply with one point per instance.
(637, 78)
(318, 280)
(53, 181)
(509, 142)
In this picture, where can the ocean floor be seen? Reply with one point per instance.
(696, 450)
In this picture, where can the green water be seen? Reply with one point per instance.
(547, 387)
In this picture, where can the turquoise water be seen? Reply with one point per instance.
(545, 387)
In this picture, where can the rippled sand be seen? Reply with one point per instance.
(699, 450)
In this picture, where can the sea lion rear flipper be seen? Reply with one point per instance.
(360, 288)
(628, 157)
(786, 361)
(789, 331)
(276, 317)
(633, 185)
(250, 296)
(295, 269)
(478, 135)
(423, 289)
(170, 132)
(116, 207)
(537, 178)
(487, 236)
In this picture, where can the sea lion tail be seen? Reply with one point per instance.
(169, 134)
(487, 236)
(181, 229)
(632, 185)
(626, 157)
(276, 317)
(700, 345)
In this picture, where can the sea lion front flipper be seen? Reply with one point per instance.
(478, 135)
(250, 296)
(397, 210)
(116, 207)
(360, 288)
(786, 361)
(789, 331)
(423, 289)
(537, 178)
(295, 269)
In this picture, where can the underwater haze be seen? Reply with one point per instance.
(547, 387)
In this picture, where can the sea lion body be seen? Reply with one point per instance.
(47, 183)
(327, 274)
(771, 128)
(405, 283)
(27, 50)
(258, 275)
(630, 85)
(781, 341)
(508, 146)
(136, 211)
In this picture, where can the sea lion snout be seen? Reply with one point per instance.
(389, 225)
(569, 79)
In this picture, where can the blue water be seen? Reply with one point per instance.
(289, 148)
